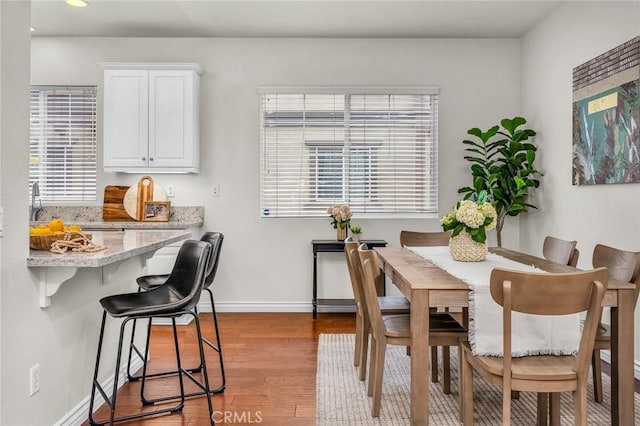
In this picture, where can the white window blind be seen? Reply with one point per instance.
(375, 152)
(62, 145)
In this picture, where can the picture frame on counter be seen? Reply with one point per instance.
(157, 211)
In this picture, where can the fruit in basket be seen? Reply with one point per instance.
(54, 227)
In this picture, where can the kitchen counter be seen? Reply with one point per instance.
(53, 269)
(120, 245)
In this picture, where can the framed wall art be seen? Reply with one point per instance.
(606, 117)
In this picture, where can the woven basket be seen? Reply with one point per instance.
(464, 249)
(43, 242)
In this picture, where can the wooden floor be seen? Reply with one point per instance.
(270, 364)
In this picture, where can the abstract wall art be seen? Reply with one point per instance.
(606, 117)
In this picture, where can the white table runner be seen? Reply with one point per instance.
(531, 334)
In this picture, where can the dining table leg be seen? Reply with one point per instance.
(622, 337)
(419, 357)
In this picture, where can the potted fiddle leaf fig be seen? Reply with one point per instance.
(502, 164)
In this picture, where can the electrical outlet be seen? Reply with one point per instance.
(215, 190)
(34, 379)
(171, 191)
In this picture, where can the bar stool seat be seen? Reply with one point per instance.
(176, 297)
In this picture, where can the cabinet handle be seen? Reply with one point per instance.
(151, 159)
(144, 159)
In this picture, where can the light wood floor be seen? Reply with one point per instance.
(270, 364)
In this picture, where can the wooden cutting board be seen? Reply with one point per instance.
(112, 206)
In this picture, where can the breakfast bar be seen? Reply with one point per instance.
(53, 269)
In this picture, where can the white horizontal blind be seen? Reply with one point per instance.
(375, 152)
(63, 143)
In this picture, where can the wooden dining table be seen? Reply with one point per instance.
(426, 285)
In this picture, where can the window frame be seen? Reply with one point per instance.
(42, 134)
(429, 180)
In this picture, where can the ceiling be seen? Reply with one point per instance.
(291, 18)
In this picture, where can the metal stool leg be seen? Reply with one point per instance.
(111, 401)
(218, 346)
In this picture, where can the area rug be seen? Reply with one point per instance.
(341, 399)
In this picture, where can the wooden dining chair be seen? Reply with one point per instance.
(560, 251)
(434, 239)
(394, 329)
(389, 305)
(539, 294)
(623, 266)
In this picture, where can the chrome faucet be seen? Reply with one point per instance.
(35, 192)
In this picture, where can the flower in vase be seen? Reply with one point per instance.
(476, 216)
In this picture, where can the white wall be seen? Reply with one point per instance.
(269, 260)
(607, 214)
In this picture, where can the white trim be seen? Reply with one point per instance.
(79, 414)
(205, 306)
(606, 357)
(350, 90)
(195, 67)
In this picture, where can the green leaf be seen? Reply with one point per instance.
(479, 184)
(531, 156)
(457, 230)
(465, 189)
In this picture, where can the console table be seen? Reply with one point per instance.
(336, 246)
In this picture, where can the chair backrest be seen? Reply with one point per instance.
(560, 251)
(355, 272)
(551, 294)
(215, 239)
(188, 274)
(424, 239)
(623, 265)
(370, 273)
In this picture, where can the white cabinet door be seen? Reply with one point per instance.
(173, 126)
(151, 118)
(126, 112)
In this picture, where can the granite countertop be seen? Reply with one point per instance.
(120, 245)
(90, 218)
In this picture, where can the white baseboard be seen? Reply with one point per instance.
(606, 357)
(80, 413)
(205, 306)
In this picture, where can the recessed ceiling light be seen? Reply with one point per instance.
(77, 3)
(33, 29)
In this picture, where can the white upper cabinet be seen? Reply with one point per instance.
(151, 118)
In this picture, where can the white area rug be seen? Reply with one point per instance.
(342, 398)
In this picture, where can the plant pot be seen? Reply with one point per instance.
(464, 249)
(356, 237)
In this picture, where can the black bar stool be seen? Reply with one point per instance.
(177, 296)
(150, 282)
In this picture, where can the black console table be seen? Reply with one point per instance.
(335, 246)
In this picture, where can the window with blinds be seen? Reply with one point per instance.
(62, 146)
(376, 152)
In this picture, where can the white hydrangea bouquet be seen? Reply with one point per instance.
(470, 220)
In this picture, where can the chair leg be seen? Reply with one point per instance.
(218, 345)
(133, 347)
(596, 369)
(434, 364)
(554, 411)
(111, 401)
(373, 358)
(94, 384)
(362, 368)
(205, 375)
(446, 370)
(467, 391)
(377, 381)
(357, 355)
(542, 409)
(580, 405)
